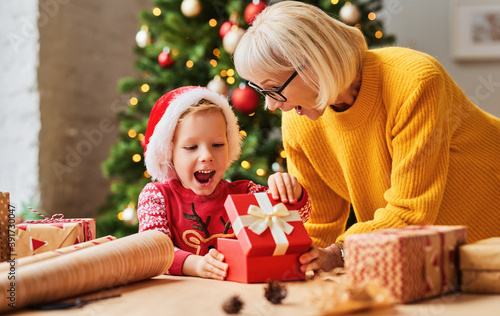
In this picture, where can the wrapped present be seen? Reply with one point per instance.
(6, 222)
(480, 266)
(413, 262)
(270, 238)
(33, 237)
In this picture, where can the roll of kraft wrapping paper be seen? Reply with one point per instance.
(133, 258)
(4, 266)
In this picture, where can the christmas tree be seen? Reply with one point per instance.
(190, 42)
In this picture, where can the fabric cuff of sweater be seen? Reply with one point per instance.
(179, 258)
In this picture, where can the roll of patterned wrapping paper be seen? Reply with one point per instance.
(129, 259)
(54, 253)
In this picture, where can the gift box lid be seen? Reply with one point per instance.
(266, 227)
(481, 255)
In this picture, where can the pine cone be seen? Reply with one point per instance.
(275, 292)
(233, 305)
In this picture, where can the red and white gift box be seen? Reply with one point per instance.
(34, 237)
(413, 263)
(270, 239)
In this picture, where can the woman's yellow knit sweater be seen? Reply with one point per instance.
(411, 150)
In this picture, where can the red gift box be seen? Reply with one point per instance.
(270, 239)
(413, 262)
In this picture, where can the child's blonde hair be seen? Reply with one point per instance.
(292, 35)
(202, 106)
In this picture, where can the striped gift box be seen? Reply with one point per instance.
(413, 263)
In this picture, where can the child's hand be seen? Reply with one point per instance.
(285, 187)
(209, 266)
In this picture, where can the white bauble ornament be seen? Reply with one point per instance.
(232, 38)
(350, 14)
(218, 85)
(142, 37)
(130, 215)
(277, 167)
(190, 8)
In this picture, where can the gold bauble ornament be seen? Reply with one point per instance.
(218, 85)
(232, 38)
(350, 14)
(191, 8)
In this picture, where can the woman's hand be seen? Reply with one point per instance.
(284, 187)
(210, 266)
(324, 259)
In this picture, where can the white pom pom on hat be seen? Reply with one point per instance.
(163, 122)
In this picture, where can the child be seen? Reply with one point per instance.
(192, 137)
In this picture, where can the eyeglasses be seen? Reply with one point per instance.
(274, 93)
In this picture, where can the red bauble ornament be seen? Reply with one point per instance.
(245, 99)
(253, 9)
(165, 59)
(224, 28)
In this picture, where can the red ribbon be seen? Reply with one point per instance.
(53, 218)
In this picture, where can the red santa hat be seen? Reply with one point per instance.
(163, 122)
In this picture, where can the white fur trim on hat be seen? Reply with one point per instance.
(159, 150)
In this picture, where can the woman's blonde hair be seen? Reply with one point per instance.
(292, 35)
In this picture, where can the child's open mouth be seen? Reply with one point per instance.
(203, 176)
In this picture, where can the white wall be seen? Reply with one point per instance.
(85, 47)
(425, 25)
(19, 101)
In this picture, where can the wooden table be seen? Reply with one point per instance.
(186, 296)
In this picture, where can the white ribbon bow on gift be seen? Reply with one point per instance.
(269, 219)
(268, 216)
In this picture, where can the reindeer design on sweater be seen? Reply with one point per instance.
(202, 226)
